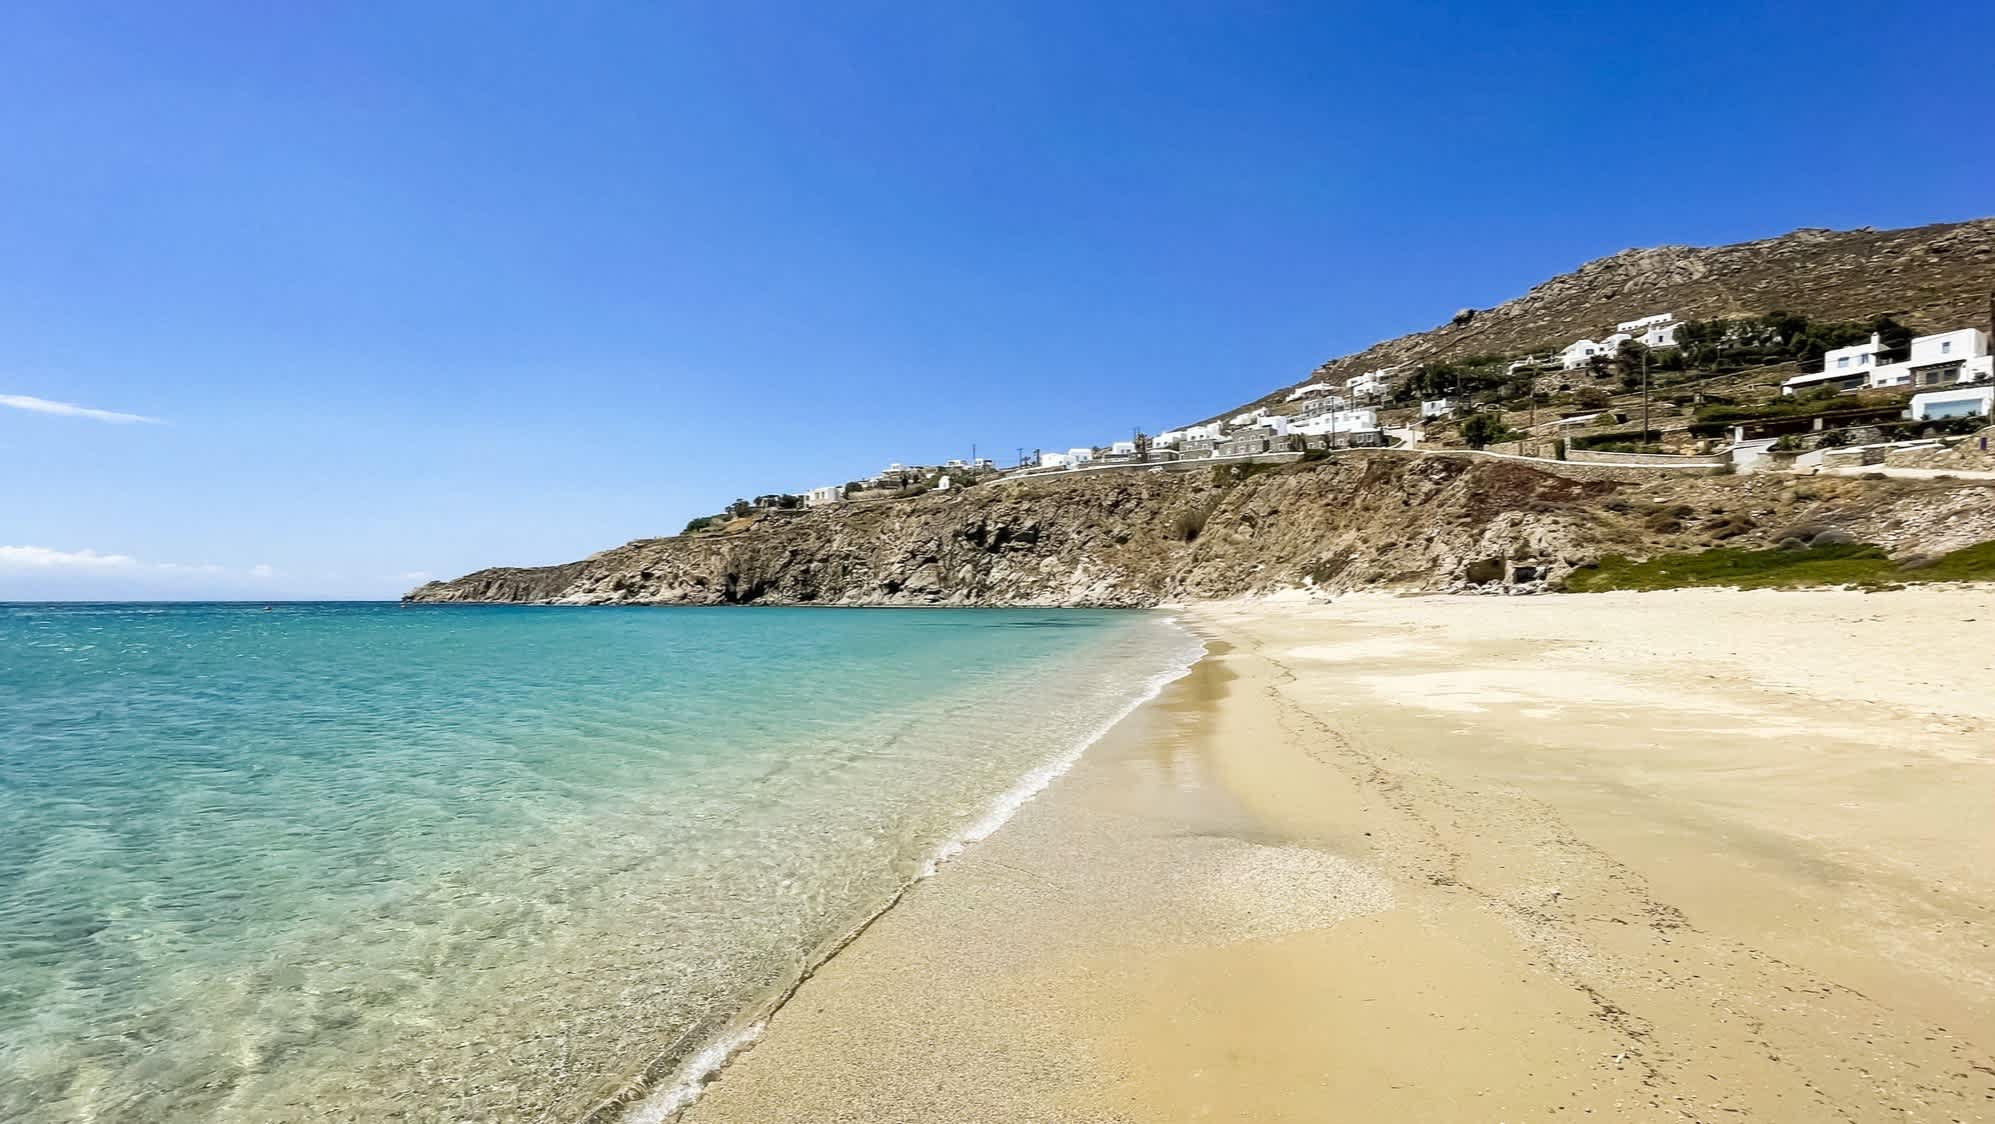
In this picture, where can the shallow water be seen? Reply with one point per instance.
(335, 862)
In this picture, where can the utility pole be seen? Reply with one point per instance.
(1645, 396)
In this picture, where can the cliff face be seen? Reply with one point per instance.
(1123, 539)
(1931, 277)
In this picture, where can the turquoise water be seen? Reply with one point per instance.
(366, 862)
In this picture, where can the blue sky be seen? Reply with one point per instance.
(413, 289)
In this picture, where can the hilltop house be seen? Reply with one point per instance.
(1632, 326)
(818, 497)
(1371, 382)
(1579, 353)
(1654, 331)
(1122, 451)
(1076, 457)
(1658, 330)
(1312, 388)
(1053, 460)
(1431, 408)
(1945, 359)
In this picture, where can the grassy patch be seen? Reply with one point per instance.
(1856, 564)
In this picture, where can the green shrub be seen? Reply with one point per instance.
(1791, 565)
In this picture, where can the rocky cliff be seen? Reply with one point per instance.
(1380, 520)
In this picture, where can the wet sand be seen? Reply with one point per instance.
(1689, 856)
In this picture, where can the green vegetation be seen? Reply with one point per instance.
(1837, 564)
(1468, 376)
(700, 524)
(1746, 341)
(1484, 428)
(1619, 441)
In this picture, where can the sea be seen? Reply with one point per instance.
(365, 861)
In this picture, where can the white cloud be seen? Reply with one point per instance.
(43, 558)
(261, 570)
(71, 410)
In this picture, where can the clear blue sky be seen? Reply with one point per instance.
(417, 288)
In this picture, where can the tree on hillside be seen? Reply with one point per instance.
(1484, 428)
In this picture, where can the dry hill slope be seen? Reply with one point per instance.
(1929, 277)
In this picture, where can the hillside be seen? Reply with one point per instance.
(1930, 277)
(1361, 520)
(1379, 520)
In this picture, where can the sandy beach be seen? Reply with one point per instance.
(1702, 855)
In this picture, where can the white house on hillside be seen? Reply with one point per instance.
(818, 497)
(1941, 360)
(1079, 456)
(1276, 424)
(1578, 353)
(1122, 449)
(1248, 418)
(1371, 382)
(1338, 421)
(1660, 334)
(1635, 327)
(1950, 358)
(1306, 391)
(1435, 407)
(1052, 460)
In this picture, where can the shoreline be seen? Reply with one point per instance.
(1599, 856)
(689, 1080)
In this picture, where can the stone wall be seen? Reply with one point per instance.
(1660, 460)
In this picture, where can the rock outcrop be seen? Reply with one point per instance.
(1362, 520)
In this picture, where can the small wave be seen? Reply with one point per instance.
(1035, 782)
(693, 1078)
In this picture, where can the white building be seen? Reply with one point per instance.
(1079, 456)
(1612, 344)
(1338, 421)
(1248, 418)
(1636, 326)
(1306, 391)
(1435, 407)
(1959, 402)
(1122, 449)
(1212, 432)
(1578, 353)
(818, 497)
(1949, 359)
(1274, 423)
(1662, 334)
(1371, 382)
(1845, 368)
(1168, 439)
(1941, 360)
(1052, 460)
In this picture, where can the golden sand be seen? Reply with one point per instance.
(1687, 856)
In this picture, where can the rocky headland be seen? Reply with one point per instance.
(1380, 520)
